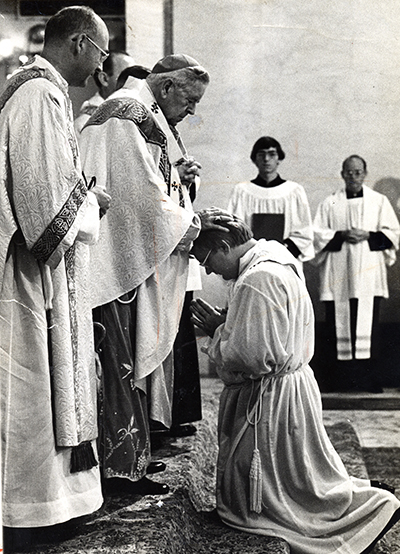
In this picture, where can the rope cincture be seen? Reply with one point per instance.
(255, 474)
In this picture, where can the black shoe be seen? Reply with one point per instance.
(384, 486)
(143, 487)
(155, 467)
(183, 430)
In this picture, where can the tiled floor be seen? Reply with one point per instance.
(375, 429)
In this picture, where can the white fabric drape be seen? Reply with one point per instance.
(146, 235)
(44, 273)
(355, 271)
(289, 199)
(307, 497)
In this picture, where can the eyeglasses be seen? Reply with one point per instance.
(204, 262)
(104, 53)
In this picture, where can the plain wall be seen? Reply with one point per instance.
(321, 77)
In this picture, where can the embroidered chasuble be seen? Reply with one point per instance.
(48, 380)
(146, 236)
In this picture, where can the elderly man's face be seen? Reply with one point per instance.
(180, 102)
(353, 175)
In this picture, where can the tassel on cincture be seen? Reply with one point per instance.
(82, 457)
(255, 482)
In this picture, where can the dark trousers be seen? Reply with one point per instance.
(186, 406)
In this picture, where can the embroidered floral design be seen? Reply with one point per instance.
(119, 108)
(71, 279)
(123, 434)
(129, 431)
(142, 463)
(154, 107)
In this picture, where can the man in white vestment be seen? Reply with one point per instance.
(277, 471)
(106, 82)
(47, 219)
(140, 263)
(356, 236)
(274, 208)
(186, 402)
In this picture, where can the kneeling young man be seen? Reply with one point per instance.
(278, 473)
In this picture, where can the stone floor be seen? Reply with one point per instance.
(375, 428)
(378, 431)
(184, 522)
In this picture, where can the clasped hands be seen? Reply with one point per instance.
(206, 317)
(353, 236)
(188, 170)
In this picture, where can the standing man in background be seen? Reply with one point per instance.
(47, 217)
(106, 82)
(274, 208)
(356, 236)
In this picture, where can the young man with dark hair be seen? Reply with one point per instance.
(106, 82)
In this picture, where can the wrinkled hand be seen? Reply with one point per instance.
(211, 216)
(188, 171)
(103, 199)
(353, 236)
(206, 317)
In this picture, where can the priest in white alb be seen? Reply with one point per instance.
(356, 237)
(277, 471)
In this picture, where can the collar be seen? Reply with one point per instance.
(268, 250)
(42, 63)
(263, 183)
(350, 195)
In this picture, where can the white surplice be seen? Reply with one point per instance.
(289, 199)
(355, 271)
(262, 353)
